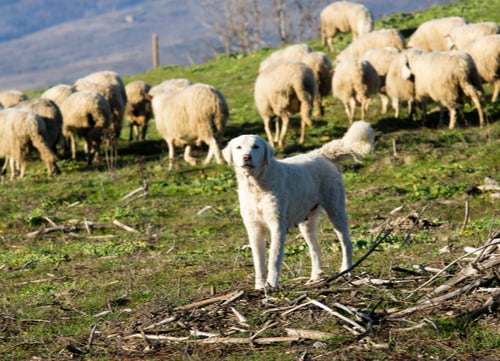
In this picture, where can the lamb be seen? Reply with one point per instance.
(86, 114)
(322, 69)
(113, 95)
(193, 114)
(19, 130)
(169, 85)
(462, 36)
(444, 77)
(138, 110)
(381, 59)
(282, 89)
(11, 97)
(58, 93)
(355, 81)
(295, 52)
(431, 35)
(51, 115)
(486, 55)
(344, 17)
(398, 88)
(373, 40)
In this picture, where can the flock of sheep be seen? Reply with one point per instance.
(444, 60)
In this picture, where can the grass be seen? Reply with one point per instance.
(56, 286)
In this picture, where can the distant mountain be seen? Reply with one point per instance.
(45, 42)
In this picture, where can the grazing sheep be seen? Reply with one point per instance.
(431, 35)
(138, 110)
(19, 130)
(381, 59)
(344, 17)
(462, 36)
(282, 89)
(444, 77)
(293, 52)
(398, 88)
(193, 114)
(51, 115)
(373, 40)
(58, 93)
(86, 114)
(486, 55)
(169, 85)
(11, 97)
(322, 69)
(355, 81)
(107, 77)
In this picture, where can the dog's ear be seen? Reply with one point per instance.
(227, 153)
(269, 152)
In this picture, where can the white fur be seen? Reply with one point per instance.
(276, 195)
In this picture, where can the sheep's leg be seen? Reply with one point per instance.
(477, 102)
(351, 104)
(171, 153)
(187, 155)
(284, 127)
(330, 43)
(22, 168)
(12, 165)
(72, 141)
(395, 106)
(385, 102)
(213, 150)
(496, 91)
(144, 130)
(267, 129)
(441, 117)
(132, 131)
(453, 117)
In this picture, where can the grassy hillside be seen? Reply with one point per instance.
(74, 283)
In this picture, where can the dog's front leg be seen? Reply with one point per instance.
(258, 246)
(276, 252)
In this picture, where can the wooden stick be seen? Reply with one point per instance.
(207, 302)
(336, 314)
(310, 334)
(124, 227)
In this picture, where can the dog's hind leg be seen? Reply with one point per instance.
(338, 216)
(309, 230)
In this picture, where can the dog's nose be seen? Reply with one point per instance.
(247, 157)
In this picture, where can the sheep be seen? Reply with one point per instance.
(355, 81)
(486, 55)
(86, 114)
(282, 89)
(138, 110)
(51, 115)
(169, 85)
(58, 93)
(193, 114)
(373, 40)
(113, 95)
(398, 88)
(11, 97)
(381, 59)
(431, 35)
(19, 130)
(462, 36)
(344, 17)
(444, 77)
(293, 52)
(322, 69)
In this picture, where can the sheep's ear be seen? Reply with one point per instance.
(227, 153)
(405, 70)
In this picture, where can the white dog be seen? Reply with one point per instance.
(276, 195)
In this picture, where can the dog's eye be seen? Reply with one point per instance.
(238, 147)
(255, 146)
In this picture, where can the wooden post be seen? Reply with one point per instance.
(155, 51)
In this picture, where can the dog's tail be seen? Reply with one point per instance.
(356, 142)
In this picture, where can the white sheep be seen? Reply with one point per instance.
(373, 40)
(293, 52)
(486, 55)
(282, 89)
(444, 77)
(51, 115)
(58, 93)
(431, 35)
(344, 17)
(381, 59)
(19, 130)
(398, 88)
(169, 85)
(86, 114)
(138, 110)
(11, 97)
(462, 36)
(322, 69)
(191, 115)
(355, 81)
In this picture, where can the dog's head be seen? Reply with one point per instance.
(248, 154)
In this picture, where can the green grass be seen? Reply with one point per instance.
(55, 286)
